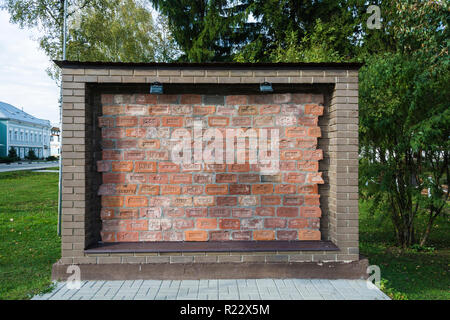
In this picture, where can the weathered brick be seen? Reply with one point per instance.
(196, 235)
(287, 212)
(263, 235)
(309, 235)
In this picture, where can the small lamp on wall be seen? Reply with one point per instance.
(266, 87)
(156, 88)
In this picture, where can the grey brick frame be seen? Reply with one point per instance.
(339, 196)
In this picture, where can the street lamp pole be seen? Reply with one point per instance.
(60, 121)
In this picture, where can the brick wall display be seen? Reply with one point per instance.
(123, 87)
(146, 196)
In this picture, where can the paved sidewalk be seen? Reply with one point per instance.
(233, 289)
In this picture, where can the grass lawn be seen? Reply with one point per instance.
(422, 273)
(29, 244)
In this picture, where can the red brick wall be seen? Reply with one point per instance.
(148, 197)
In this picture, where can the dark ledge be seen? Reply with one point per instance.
(209, 65)
(217, 246)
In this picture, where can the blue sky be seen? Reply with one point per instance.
(24, 82)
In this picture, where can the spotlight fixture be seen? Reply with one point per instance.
(156, 88)
(266, 87)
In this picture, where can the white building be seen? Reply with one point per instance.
(23, 132)
(55, 142)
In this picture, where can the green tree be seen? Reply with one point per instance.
(101, 30)
(207, 30)
(12, 154)
(405, 121)
(311, 48)
(31, 155)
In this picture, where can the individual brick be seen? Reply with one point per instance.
(314, 132)
(263, 235)
(247, 110)
(314, 109)
(269, 109)
(112, 201)
(112, 110)
(149, 121)
(218, 121)
(226, 178)
(291, 154)
(252, 224)
(310, 212)
(134, 155)
(287, 235)
(262, 188)
(196, 212)
(127, 236)
(136, 110)
(126, 121)
(309, 235)
(145, 166)
(168, 167)
(239, 189)
(293, 200)
(191, 99)
(170, 189)
(270, 200)
(172, 121)
(206, 223)
(236, 100)
(242, 212)
(299, 223)
(122, 166)
(227, 201)
(136, 201)
(274, 223)
(230, 224)
(295, 132)
(149, 144)
(242, 235)
(287, 212)
(216, 189)
(315, 177)
(265, 211)
(196, 235)
(219, 235)
(294, 177)
(216, 212)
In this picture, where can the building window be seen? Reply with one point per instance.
(21, 136)
(10, 135)
(15, 136)
(26, 136)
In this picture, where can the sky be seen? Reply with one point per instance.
(24, 83)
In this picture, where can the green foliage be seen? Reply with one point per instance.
(98, 30)
(31, 155)
(405, 120)
(12, 154)
(207, 30)
(311, 48)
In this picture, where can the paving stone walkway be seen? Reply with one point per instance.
(232, 289)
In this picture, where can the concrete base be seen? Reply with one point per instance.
(195, 271)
